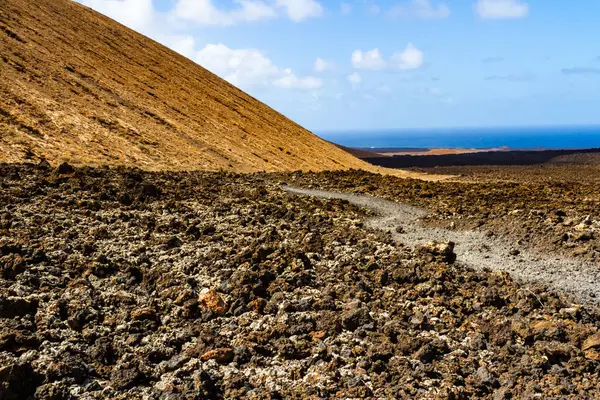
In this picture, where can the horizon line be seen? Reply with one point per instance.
(448, 128)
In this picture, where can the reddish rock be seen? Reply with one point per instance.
(143, 314)
(593, 342)
(211, 300)
(257, 305)
(222, 356)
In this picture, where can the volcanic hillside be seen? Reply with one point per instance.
(77, 86)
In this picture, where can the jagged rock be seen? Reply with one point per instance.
(591, 342)
(257, 305)
(212, 301)
(445, 251)
(355, 317)
(301, 301)
(485, 377)
(221, 356)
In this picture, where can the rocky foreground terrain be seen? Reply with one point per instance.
(122, 284)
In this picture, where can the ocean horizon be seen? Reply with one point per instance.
(559, 137)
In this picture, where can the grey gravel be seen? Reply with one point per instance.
(476, 249)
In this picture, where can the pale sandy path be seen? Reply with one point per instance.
(474, 249)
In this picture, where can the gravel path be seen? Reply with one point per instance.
(474, 249)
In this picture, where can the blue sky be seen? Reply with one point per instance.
(384, 64)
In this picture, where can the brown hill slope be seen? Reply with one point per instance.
(78, 86)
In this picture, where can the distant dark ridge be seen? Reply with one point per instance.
(359, 152)
(381, 150)
(511, 157)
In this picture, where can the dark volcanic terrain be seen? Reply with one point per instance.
(471, 157)
(123, 284)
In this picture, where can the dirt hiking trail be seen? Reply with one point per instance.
(475, 249)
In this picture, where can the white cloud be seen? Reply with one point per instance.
(136, 14)
(345, 8)
(204, 12)
(239, 66)
(422, 9)
(298, 10)
(371, 59)
(354, 78)
(322, 65)
(250, 67)
(290, 81)
(499, 9)
(183, 45)
(410, 58)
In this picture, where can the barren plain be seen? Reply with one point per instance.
(119, 283)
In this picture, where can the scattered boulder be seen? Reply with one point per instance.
(257, 305)
(355, 316)
(210, 300)
(592, 342)
(222, 355)
(442, 251)
(484, 377)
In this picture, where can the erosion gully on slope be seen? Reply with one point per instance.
(473, 248)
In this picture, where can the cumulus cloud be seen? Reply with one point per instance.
(354, 78)
(322, 65)
(421, 9)
(581, 71)
(501, 9)
(298, 10)
(250, 67)
(371, 59)
(238, 66)
(184, 45)
(409, 58)
(136, 14)
(205, 12)
(289, 80)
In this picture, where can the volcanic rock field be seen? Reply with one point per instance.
(123, 284)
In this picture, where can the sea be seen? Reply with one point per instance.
(573, 137)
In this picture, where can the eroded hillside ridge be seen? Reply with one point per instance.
(122, 284)
(78, 86)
